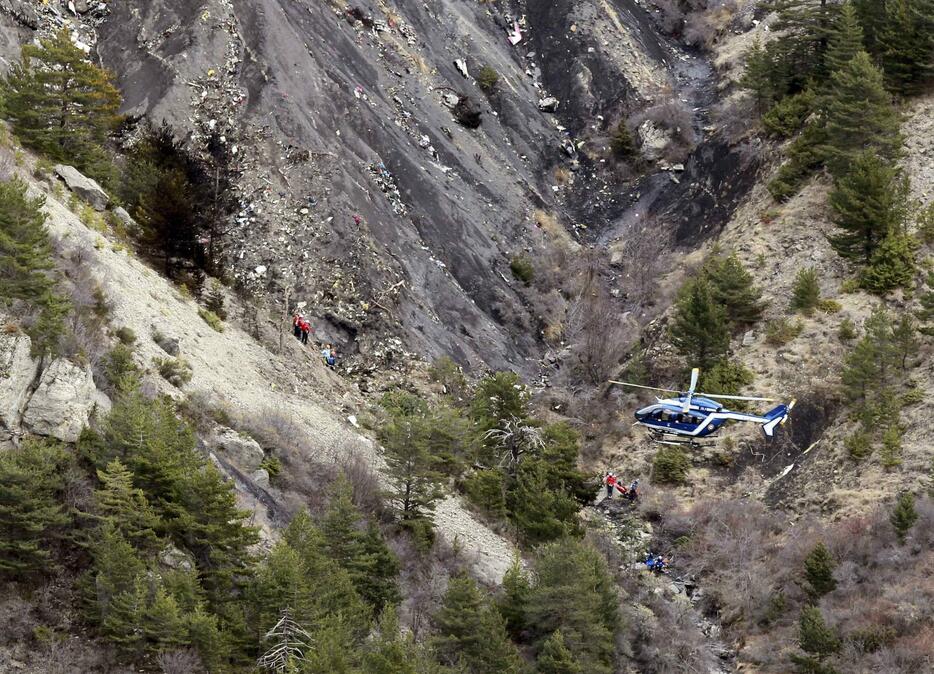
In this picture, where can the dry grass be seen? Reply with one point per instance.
(554, 230)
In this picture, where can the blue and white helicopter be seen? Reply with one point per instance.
(692, 416)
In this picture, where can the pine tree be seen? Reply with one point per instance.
(846, 39)
(555, 658)
(805, 293)
(868, 201)
(116, 567)
(392, 652)
(904, 341)
(125, 508)
(892, 265)
(891, 453)
(906, 44)
(817, 640)
(415, 485)
(61, 104)
(732, 287)
(622, 144)
(539, 510)
(806, 28)
(757, 75)
(699, 327)
(164, 628)
(514, 600)
(859, 116)
(26, 264)
(904, 516)
(575, 593)
(31, 512)
(470, 633)
(869, 366)
(818, 571)
(926, 313)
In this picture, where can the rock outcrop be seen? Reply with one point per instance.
(63, 402)
(17, 375)
(83, 186)
(242, 451)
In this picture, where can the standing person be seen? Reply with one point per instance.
(326, 353)
(305, 328)
(296, 325)
(610, 484)
(332, 359)
(633, 490)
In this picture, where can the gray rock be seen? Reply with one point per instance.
(83, 186)
(749, 338)
(242, 451)
(126, 219)
(165, 342)
(63, 402)
(654, 140)
(790, 357)
(261, 478)
(17, 373)
(548, 104)
(173, 558)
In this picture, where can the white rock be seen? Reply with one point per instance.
(17, 372)
(83, 186)
(243, 451)
(260, 478)
(63, 402)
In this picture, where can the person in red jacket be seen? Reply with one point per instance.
(296, 326)
(610, 481)
(305, 328)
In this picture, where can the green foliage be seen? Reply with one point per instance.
(904, 515)
(470, 632)
(513, 602)
(805, 157)
(733, 288)
(904, 341)
(858, 444)
(574, 592)
(415, 484)
(818, 571)
(125, 336)
(846, 39)
(781, 331)
(214, 301)
(859, 116)
(847, 330)
(174, 370)
(868, 201)
(521, 268)
(727, 377)
(925, 221)
(892, 265)
(699, 327)
(805, 293)
(62, 105)
(26, 261)
(555, 658)
(891, 452)
(211, 319)
(124, 508)
(787, 117)
(450, 375)
(487, 79)
(120, 367)
(757, 75)
(622, 143)
(32, 516)
(487, 489)
(906, 44)
(670, 466)
(926, 313)
(815, 637)
(499, 397)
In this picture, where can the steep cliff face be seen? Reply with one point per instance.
(337, 110)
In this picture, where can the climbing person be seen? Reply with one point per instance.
(633, 492)
(610, 484)
(305, 329)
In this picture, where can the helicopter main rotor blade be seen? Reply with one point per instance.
(726, 397)
(686, 407)
(650, 388)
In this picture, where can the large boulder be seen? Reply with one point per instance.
(84, 187)
(17, 373)
(63, 402)
(240, 450)
(654, 140)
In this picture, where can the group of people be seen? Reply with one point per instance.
(301, 329)
(656, 563)
(613, 483)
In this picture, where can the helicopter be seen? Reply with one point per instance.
(692, 416)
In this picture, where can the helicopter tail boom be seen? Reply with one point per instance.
(774, 417)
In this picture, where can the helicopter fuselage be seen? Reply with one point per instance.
(668, 416)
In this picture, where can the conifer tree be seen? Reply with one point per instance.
(892, 264)
(858, 116)
(904, 341)
(846, 39)
(699, 327)
(125, 508)
(818, 571)
(757, 75)
(555, 658)
(540, 510)
(26, 264)
(904, 516)
(906, 44)
(926, 313)
(392, 652)
(805, 293)
(514, 601)
(471, 633)
(31, 512)
(574, 592)
(869, 365)
(806, 27)
(61, 104)
(817, 640)
(622, 144)
(868, 201)
(732, 287)
(164, 627)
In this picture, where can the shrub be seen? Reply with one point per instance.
(904, 516)
(272, 465)
(126, 335)
(487, 79)
(891, 453)
(726, 377)
(485, 489)
(622, 143)
(830, 306)
(847, 330)
(214, 300)
(925, 220)
(859, 445)
(804, 158)
(522, 269)
(787, 116)
(670, 466)
(120, 367)
(174, 370)
(780, 331)
(805, 293)
(211, 319)
(450, 375)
